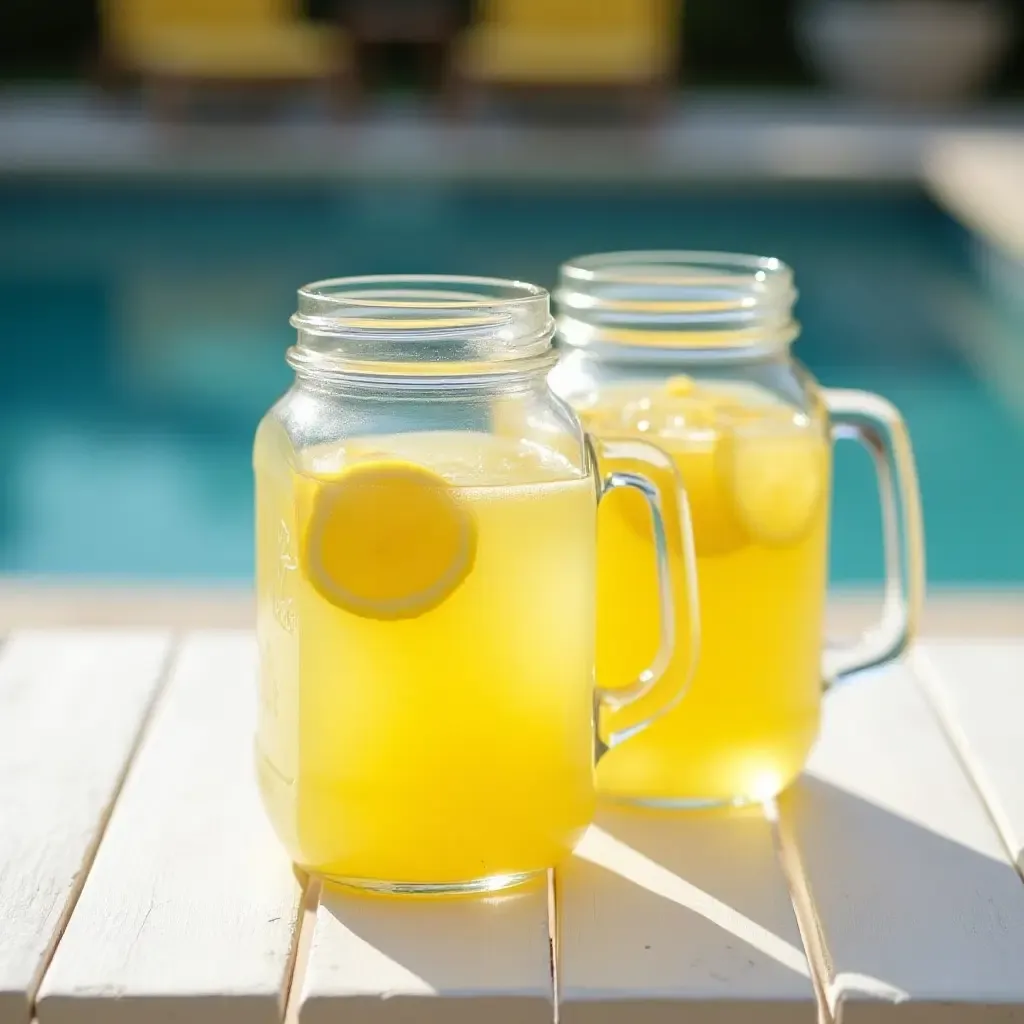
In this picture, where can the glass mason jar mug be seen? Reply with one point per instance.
(690, 351)
(426, 555)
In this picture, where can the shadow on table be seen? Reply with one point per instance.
(680, 905)
(907, 910)
(695, 906)
(459, 946)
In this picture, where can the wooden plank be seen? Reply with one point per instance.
(978, 690)
(71, 707)
(376, 960)
(920, 913)
(190, 910)
(669, 917)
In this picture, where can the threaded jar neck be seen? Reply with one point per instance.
(421, 326)
(703, 303)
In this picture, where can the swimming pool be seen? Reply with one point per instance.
(143, 331)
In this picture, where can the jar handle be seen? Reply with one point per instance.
(617, 698)
(877, 425)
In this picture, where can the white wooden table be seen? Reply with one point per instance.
(139, 883)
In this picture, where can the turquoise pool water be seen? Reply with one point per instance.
(143, 330)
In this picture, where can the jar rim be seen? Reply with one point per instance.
(354, 291)
(626, 263)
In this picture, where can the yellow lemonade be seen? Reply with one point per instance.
(757, 475)
(427, 616)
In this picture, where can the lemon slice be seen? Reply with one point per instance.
(687, 427)
(778, 481)
(386, 539)
(717, 529)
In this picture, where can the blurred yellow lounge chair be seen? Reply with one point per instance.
(220, 42)
(568, 43)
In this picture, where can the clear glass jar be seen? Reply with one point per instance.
(426, 554)
(691, 352)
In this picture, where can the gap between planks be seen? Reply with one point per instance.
(927, 676)
(815, 947)
(299, 960)
(553, 943)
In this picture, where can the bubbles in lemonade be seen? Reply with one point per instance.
(757, 476)
(426, 609)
